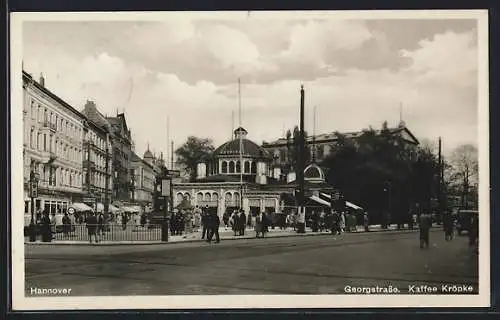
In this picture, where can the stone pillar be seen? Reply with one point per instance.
(222, 203)
(246, 205)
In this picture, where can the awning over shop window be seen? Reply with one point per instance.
(112, 208)
(347, 203)
(132, 209)
(320, 201)
(80, 207)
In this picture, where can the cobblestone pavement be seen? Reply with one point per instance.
(322, 264)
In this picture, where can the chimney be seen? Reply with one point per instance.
(42, 80)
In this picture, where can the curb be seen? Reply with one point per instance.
(131, 243)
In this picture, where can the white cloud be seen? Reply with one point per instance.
(437, 90)
(449, 58)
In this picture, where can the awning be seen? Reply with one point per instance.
(80, 207)
(111, 208)
(347, 203)
(319, 200)
(130, 209)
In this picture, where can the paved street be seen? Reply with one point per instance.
(322, 264)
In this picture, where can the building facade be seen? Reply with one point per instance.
(144, 179)
(323, 144)
(224, 183)
(53, 135)
(97, 186)
(121, 141)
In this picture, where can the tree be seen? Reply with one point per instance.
(292, 144)
(382, 173)
(192, 152)
(464, 162)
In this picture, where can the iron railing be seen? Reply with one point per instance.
(106, 232)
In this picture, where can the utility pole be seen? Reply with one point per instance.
(300, 165)
(241, 145)
(172, 155)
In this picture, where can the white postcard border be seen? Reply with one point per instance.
(20, 302)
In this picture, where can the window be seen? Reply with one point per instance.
(247, 167)
(32, 138)
(38, 141)
(238, 166)
(231, 167)
(254, 167)
(33, 110)
(40, 115)
(57, 122)
(51, 139)
(224, 167)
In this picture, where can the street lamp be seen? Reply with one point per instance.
(388, 189)
(33, 190)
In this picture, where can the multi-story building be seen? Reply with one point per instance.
(144, 179)
(324, 143)
(97, 183)
(53, 132)
(121, 141)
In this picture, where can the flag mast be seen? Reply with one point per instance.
(241, 144)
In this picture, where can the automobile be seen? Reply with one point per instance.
(464, 220)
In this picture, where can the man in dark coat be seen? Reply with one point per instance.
(66, 224)
(213, 227)
(425, 225)
(243, 223)
(45, 227)
(204, 222)
(92, 227)
(448, 225)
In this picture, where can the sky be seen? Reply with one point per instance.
(357, 73)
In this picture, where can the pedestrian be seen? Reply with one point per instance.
(242, 222)
(314, 221)
(100, 225)
(53, 224)
(204, 223)
(424, 225)
(234, 221)
(197, 218)
(366, 222)
(188, 222)
(474, 230)
(214, 224)
(124, 221)
(448, 225)
(45, 228)
(92, 227)
(66, 221)
(342, 222)
(259, 226)
(225, 219)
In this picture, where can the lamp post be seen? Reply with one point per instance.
(33, 189)
(388, 189)
(106, 185)
(166, 193)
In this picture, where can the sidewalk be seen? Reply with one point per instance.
(225, 234)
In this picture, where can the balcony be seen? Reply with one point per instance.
(89, 164)
(50, 125)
